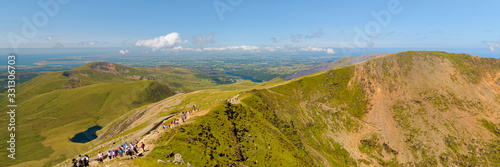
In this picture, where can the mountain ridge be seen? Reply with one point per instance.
(344, 61)
(416, 108)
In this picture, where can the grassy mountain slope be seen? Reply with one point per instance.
(414, 108)
(232, 134)
(140, 121)
(46, 121)
(55, 106)
(181, 79)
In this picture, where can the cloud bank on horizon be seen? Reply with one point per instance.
(172, 42)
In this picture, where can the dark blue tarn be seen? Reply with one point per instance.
(86, 136)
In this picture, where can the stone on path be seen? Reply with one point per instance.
(178, 159)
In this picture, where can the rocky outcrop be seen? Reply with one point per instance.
(72, 83)
(178, 159)
(108, 68)
(69, 74)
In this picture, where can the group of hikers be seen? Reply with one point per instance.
(232, 100)
(127, 149)
(130, 148)
(81, 161)
(183, 117)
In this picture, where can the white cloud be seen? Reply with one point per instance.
(271, 49)
(123, 52)
(203, 39)
(242, 47)
(87, 43)
(493, 46)
(214, 48)
(312, 49)
(168, 41)
(49, 38)
(316, 49)
(330, 51)
(180, 48)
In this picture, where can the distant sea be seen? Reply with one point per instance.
(30, 56)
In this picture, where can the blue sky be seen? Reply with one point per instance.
(328, 26)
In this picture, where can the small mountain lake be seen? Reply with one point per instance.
(86, 136)
(244, 77)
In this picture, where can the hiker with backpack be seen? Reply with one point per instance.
(100, 156)
(86, 160)
(109, 154)
(121, 151)
(142, 145)
(131, 149)
(79, 161)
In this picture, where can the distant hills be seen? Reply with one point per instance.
(344, 61)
